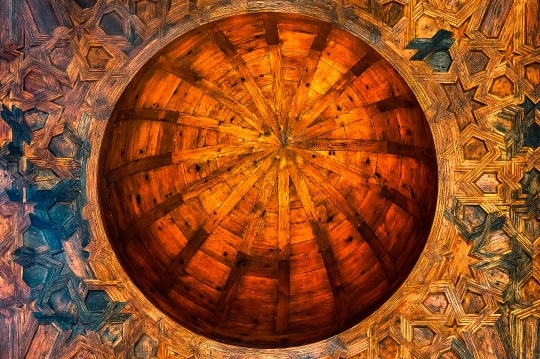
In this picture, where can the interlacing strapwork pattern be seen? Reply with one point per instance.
(475, 292)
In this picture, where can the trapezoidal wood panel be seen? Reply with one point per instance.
(268, 180)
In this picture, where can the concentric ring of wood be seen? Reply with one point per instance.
(268, 180)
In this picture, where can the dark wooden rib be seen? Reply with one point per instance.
(270, 28)
(319, 43)
(405, 203)
(192, 191)
(323, 243)
(365, 180)
(198, 154)
(376, 246)
(335, 91)
(353, 217)
(231, 286)
(227, 47)
(136, 166)
(284, 218)
(347, 118)
(394, 103)
(212, 90)
(202, 234)
(240, 166)
(284, 242)
(284, 295)
(150, 114)
(181, 260)
(151, 216)
(334, 277)
(310, 66)
(201, 154)
(387, 147)
(169, 116)
(276, 66)
(257, 214)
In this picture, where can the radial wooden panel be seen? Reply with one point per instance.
(268, 180)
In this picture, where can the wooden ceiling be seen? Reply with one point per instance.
(268, 180)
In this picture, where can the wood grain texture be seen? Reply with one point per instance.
(63, 64)
(262, 174)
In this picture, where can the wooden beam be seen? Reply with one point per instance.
(352, 174)
(238, 64)
(334, 277)
(140, 165)
(347, 118)
(151, 216)
(270, 28)
(149, 114)
(284, 295)
(284, 242)
(230, 288)
(386, 147)
(186, 119)
(310, 66)
(213, 91)
(191, 191)
(201, 154)
(202, 234)
(276, 68)
(405, 203)
(284, 216)
(259, 209)
(352, 216)
(181, 260)
(335, 91)
(242, 165)
(323, 243)
(364, 180)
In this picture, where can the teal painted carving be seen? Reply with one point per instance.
(60, 296)
(434, 50)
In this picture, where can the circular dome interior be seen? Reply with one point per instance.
(268, 180)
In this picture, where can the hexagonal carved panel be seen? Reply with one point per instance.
(474, 217)
(498, 243)
(474, 149)
(61, 57)
(476, 62)
(388, 348)
(112, 24)
(488, 183)
(473, 303)
(146, 347)
(436, 303)
(498, 277)
(449, 355)
(62, 146)
(146, 10)
(532, 73)
(423, 336)
(502, 87)
(391, 13)
(98, 58)
(531, 290)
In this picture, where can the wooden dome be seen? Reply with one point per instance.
(268, 180)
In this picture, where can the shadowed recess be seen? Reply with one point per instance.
(268, 180)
